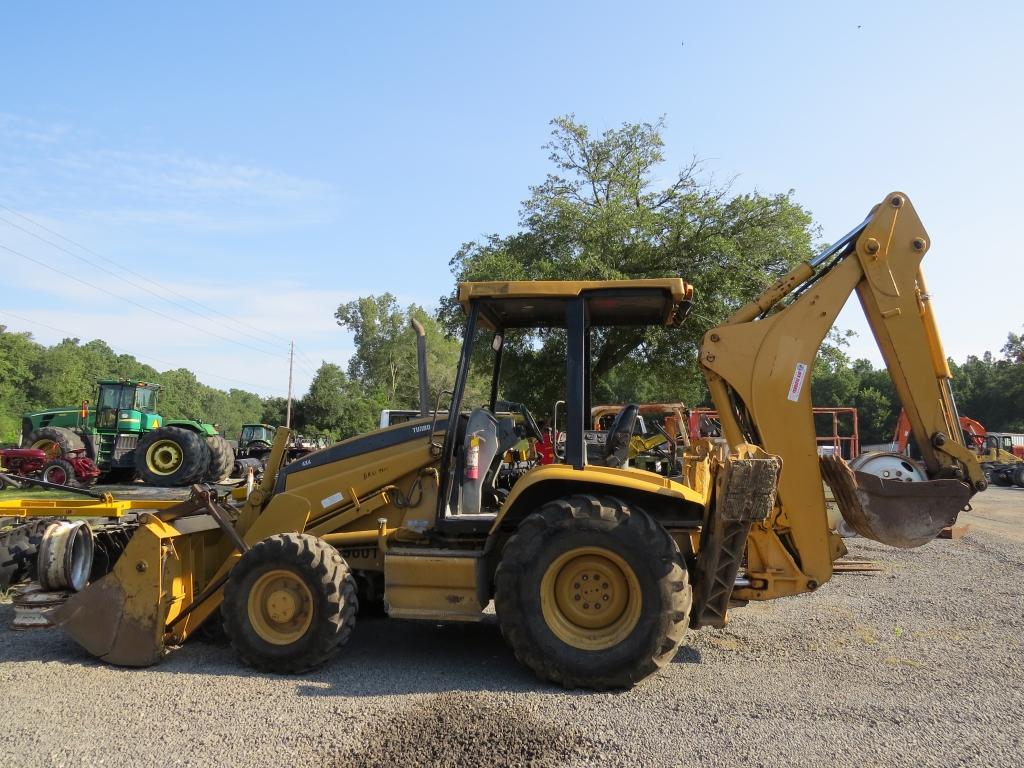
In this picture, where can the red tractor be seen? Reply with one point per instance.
(73, 469)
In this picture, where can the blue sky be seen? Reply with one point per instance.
(274, 160)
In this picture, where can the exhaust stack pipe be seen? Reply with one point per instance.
(421, 359)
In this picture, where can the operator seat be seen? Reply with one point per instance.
(616, 444)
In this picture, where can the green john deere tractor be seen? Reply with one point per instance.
(125, 435)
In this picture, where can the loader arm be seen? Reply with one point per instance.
(758, 366)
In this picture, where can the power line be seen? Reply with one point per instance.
(308, 361)
(305, 370)
(140, 306)
(132, 272)
(122, 278)
(72, 334)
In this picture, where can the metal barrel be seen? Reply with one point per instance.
(65, 556)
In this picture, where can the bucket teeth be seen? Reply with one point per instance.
(900, 514)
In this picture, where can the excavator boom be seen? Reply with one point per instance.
(759, 365)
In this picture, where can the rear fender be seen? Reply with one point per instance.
(558, 480)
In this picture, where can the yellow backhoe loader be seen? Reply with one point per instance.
(596, 569)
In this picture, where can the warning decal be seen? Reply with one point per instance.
(795, 386)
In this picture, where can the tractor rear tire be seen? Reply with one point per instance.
(1018, 476)
(572, 559)
(289, 604)
(172, 456)
(60, 472)
(55, 442)
(1002, 477)
(222, 458)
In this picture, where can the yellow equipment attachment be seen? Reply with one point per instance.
(107, 506)
(758, 367)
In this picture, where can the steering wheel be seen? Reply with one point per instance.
(616, 445)
(532, 430)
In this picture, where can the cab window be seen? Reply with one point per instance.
(144, 399)
(110, 397)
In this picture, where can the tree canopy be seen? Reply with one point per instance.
(604, 213)
(34, 377)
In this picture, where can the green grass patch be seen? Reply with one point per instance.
(28, 492)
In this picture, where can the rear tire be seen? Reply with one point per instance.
(1018, 476)
(222, 458)
(60, 472)
(547, 596)
(1002, 478)
(172, 456)
(56, 442)
(290, 603)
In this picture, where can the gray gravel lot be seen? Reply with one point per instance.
(920, 665)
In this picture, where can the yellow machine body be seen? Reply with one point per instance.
(749, 517)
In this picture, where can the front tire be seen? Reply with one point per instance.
(290, 603)
(172, 456)
(592, 594)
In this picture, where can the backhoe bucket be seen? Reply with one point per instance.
(897, 513)
(121, 618)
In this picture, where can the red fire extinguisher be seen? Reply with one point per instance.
(473, 457)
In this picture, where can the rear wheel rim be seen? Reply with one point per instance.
(55, 475)
(164, 457)
(280, 607)
(590, 598)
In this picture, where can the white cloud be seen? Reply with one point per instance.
(49, 165)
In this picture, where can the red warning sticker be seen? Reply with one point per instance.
(795, 386)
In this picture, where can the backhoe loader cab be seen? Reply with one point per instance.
(596, 568)
(495, 309)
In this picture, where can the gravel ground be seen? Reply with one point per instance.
(919, 665)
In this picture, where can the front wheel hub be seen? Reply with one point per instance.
(164, 457)
(280, 607)
(590, 598)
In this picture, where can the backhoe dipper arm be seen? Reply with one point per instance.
(758, 367)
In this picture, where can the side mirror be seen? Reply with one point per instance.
(497, 341)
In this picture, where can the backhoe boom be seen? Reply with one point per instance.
(759, 365)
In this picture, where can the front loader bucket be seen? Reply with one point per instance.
(897, 513)
(121, 617)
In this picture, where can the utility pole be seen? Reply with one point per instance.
(291, 362)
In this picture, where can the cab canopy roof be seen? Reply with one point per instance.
(130, 383)
(543, 303)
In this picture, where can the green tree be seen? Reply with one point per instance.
(384, 364)
(991, 389)
(19, 356)
(34, 377)
(335, 405)
(274, 411)
(602, 214)
(1013, 350)
(181, 395)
